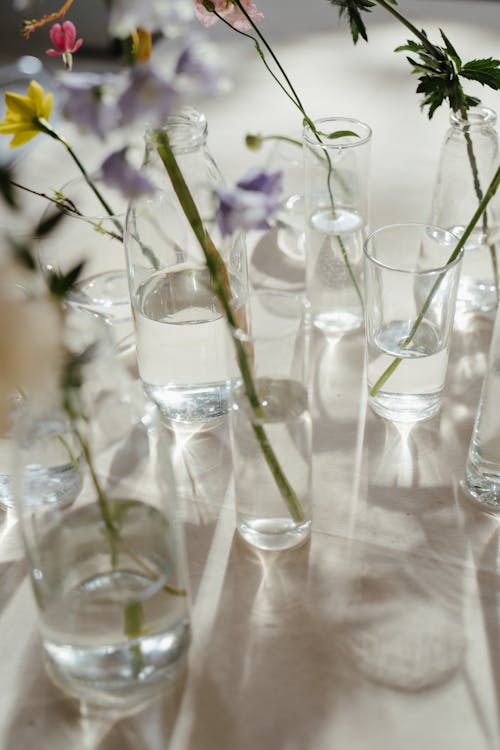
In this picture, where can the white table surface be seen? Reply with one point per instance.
(383, 632)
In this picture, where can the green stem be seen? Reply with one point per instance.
(431, 49)
(493, 186)
(49, 130)
(479, 194)
(220, 281)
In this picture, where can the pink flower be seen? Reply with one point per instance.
(204, 10)
(63, 37)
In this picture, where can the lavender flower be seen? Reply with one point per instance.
(86, 102)
(147, 96)
(198, 63)
(118, 173)
(251, 203)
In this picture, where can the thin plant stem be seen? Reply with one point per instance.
(298, 103)
(222, 288)
(479, 194)
(458, 248)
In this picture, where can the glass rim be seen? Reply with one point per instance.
(413, 272)
(310, 139)
(480, 115)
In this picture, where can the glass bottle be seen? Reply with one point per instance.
(337, 158)
(179, 325)
(107, 567)
(482, 471)
(469, 158)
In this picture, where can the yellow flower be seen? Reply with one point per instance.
(26, 115)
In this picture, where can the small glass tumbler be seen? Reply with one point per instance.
(271, 424)
(336, 155)
(411, 278)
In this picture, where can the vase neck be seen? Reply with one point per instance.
(474, 119)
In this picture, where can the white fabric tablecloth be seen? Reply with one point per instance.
(383, 632)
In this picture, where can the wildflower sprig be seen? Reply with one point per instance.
(439, 67)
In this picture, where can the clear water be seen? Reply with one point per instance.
(182, 343)
(85, 597)
(482, 473)
(330, 237)
(53, 471)
(413, 391)
(263, 519)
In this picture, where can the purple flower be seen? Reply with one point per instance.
(199, 63)
(251, 203)
(147, 96)
(86, 102)
(118, 173)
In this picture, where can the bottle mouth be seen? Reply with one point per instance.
(187, 129)
(476, 117)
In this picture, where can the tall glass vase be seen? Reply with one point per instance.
(482, 471)
(106, 562)
(179, 324)
(336, 198)
(469, 158)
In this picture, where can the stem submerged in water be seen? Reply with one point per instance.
(220, 280)
(490, 192)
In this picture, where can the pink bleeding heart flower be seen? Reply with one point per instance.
(205, 11)
(63, 37)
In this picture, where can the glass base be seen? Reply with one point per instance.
(337, 321)
(475, 295)
(107, 676)
(274, 534)
(405, 408)
(483, 490)
(191, 405)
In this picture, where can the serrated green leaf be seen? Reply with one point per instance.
(485, 71)
(451, 50)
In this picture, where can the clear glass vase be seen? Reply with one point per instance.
(271, 424)
(469, 158)
(336, 204)
(106, 564)
(179, 325)
(482, 471)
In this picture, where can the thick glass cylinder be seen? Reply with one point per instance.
(271, 424)
(468, 161)
(106, 563)
(336, 198)
(180, 327)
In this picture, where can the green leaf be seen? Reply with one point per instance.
(354, 8)
(60, 284)
(6, 187)
(46, 226)
(450, 49)
(340, 134)
(485, 71)
(23, 253)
